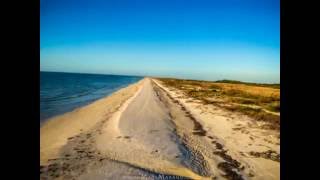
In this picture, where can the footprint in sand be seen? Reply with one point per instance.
(210, 137)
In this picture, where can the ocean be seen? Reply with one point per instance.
(64, 92)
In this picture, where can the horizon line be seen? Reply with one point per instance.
(160, 77)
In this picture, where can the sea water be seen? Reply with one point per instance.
(64, 92)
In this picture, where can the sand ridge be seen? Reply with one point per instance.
(144, 128)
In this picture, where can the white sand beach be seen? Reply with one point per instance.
(150, 131)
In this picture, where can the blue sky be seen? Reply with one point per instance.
(209, 40)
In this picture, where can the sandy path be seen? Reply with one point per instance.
(147, 120)
(142, 135)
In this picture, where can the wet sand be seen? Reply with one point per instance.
(145, 132)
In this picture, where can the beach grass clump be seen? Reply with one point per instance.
(242, 100)
(258, 114)
(240, 93)
(214, 87)
(274, 106)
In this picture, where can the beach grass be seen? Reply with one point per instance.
(259, 101)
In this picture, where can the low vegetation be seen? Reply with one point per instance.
(259, 101)
(277, 86)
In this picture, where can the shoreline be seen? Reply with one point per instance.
(61, 93)
(150, 130)
(79, 120)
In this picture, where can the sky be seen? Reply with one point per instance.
(192, 39)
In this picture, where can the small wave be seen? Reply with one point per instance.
(80, 94)
(59, 98)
